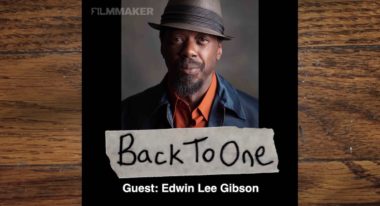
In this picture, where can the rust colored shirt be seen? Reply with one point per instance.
(183, 116)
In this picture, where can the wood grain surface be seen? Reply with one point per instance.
(339, 102)
(40, 102)
(40, 26)
(45, 184)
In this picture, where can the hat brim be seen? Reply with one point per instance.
(188, 27)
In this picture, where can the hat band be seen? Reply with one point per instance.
(193, 15)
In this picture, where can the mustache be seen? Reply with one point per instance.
(188, 63)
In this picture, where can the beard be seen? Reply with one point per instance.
(186, 84)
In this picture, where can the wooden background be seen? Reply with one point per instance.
(339, 102)
(40, 102)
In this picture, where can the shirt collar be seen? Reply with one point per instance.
(205, 105)
(225, 93)
(229, 97)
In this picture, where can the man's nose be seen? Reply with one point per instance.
(189, 49)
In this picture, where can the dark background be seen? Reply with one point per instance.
(143, 65)
(101, 111)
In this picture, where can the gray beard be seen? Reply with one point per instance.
(184, 86)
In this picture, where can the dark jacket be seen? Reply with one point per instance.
(150, 109)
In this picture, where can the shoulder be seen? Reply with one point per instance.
(241, 101)
(248, 102)
(250, 106)
(245, 99)
(145, 98)
(248, 98)
(135, 109)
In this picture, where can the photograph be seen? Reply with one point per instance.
(190, 64)
(183, 97)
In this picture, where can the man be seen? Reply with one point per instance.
(191, 94)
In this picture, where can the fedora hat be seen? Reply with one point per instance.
(203, 16)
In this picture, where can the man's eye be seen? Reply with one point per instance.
(203, 40)
(177, 40)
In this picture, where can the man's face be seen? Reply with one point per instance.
(191, 58)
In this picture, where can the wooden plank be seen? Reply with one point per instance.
(339, 103)
(40, 97)
(339, 183)
(40, 26)
(48, 78)
(339, 107)
(40, 185)
(339, 22)
(40, 101)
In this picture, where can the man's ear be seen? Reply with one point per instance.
(219, 52)
(161, 47)
(161, 42)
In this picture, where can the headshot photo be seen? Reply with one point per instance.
(190, 64)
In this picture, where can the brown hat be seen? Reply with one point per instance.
(196, 15)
